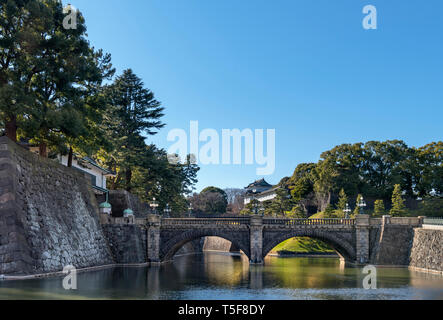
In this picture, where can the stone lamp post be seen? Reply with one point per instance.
(154, 205)
(361, 205)
(256, 206)
(105, 208)
(128, 213)
(167, 211)
(347, 210)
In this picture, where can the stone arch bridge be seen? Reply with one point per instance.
(256, 236)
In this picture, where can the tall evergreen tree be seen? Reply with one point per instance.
(91, 103)
(59, 67)
(282, 203)
(137, 115)
(379, 207)
(342, 200)
(398, 205)
(21, 56)
(329, 212)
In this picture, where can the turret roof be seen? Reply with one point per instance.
(259, 183)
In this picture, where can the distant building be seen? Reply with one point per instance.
(88, 166)
(260, 190)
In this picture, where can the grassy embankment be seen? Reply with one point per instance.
(303, 245)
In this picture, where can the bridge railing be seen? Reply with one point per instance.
(433, 221)
(308, 222)
(209, 221)
(246, 221)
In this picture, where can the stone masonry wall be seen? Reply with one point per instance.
(48, 216)
(427, 250)
(374, 242)
(127, 243)
(219, 244)
(393, 245)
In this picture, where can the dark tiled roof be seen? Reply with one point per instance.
(259, 183)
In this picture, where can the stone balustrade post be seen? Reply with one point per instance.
(362, 238)
(256, 239)
(153, 239)
(386, 220)
(421, 220)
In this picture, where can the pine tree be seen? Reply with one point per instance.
(329, 212)
(398, 205)
(282, 202)
(60, 74)
(342, 200)
(297, 212)
(92, 105)
(379, 208)
(135, 115)
(21, 58)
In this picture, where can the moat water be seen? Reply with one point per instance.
(214, 276)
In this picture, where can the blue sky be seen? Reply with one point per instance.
(306, 68)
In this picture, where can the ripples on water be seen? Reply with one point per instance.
(216, 276)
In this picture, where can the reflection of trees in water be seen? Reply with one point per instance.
(304, 273)
(225, 269)
(214, 271)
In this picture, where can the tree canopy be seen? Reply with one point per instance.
(53, 95)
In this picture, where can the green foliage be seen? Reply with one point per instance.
(134, 115)
(303, 245)
(330, 212)
(62, 69)
(342, 201)
(431, 207)
(20, 57)
(169, 183)
(341, 205)
(325, 177)
(379, 208)
(373, 169)
(398, 206)
(215, 190)
(249, 209)
(52, 94)
(282, 203)
(297, 212)
(211, 200)
(429, 169)
(301, 184)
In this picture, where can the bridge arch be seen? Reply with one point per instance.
(170, 248)
(342, 246)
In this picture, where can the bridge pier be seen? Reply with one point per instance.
(256, 239)
(153, 239)
(362, 238)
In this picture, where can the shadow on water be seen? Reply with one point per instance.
(223, 276)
